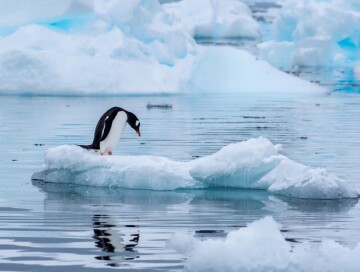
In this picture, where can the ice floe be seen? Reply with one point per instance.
(126, 47)
(255, 163)
(260, 246)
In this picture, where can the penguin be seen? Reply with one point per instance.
(110, 128)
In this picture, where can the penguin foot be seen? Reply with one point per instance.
(106, 153)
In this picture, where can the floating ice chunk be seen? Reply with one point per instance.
(261, 247)
(215, 18)
(255, 163)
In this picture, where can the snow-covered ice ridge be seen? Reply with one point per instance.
(261, 247)
(255, 163)
(130, 47)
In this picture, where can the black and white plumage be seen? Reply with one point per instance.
(110, 128)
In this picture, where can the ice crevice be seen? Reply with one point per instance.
(253, 164)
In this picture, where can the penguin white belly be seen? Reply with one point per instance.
(117, 128)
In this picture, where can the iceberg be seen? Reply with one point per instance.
(314, 33)
(260, 246)
(254, 164)
(109, 52)
(215, 19)
(232, 70)
(78, 47)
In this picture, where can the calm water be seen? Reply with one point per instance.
(51, 227)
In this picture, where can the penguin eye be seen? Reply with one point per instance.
(137, 123)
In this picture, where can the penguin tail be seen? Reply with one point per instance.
(87, 147)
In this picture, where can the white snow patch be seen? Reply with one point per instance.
(261, 247)
(255, 163)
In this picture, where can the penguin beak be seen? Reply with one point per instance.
(137, 131)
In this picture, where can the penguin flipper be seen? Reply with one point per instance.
(103, 127)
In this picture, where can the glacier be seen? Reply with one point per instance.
(98, 47)
(314, 33)
(261, 246)
(256, 163)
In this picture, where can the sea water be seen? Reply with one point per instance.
(52, 227)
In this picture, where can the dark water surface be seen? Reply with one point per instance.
(53, 227)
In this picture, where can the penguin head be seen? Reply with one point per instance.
(134, 122)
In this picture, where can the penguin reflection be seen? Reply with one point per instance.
(108, 239)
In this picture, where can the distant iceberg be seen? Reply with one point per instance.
(255, 163)
(231, 70)
(314, 33)
(215, 18)
(86, 47)
(261, 246)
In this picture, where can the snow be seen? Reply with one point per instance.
(78, 47)
(215, 18)
(260, 246)
(314, 33)
(255, 163)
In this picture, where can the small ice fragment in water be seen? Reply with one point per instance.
(261, 246)
(159, 106)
